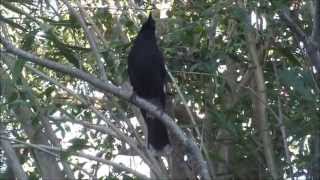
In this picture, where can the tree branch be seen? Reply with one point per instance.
(260, 114)
(311, 45)
(297, 31)
(49, 149)
(86, 124)
(13, 160)
(91, 39)
(150, 160)
(316, 23)
(193, 121)
(119, 92)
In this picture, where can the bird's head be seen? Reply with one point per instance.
(149, 24)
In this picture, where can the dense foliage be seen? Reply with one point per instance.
(243, 84)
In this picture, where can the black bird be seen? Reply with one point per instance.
(147, 76)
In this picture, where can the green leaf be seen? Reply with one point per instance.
(291, 79)
(73, 22)
(48, 91)
(287, 76)
(17, 69)
(35, 120)
(11, 23)
(13, 97)
(64, 50)
(28, 40)
(290, 57)
(65, 154)
(77, 144)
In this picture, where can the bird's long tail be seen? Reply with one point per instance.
(157, 132)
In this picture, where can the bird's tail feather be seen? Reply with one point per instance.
(157, 135)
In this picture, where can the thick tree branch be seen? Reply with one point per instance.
(24, 115)
(193, 121)
(294, 27)
(50, 132)
(150, 160)
(55, 141)
(13, 160)
(260, 114)
(311, 44)
(119, 92)
(316, 23)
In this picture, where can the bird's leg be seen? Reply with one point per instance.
(133, 97)
(161, 110)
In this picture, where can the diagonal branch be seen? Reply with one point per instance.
(53, 151)
(114, 131)
(108, 87)
(294, 27)
(13, 160)
(310, 44)
(91, 39)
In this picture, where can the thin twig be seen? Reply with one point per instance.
(49, 149)
(300, 35)
(108, 87)
(282, 127)
(184, 101)
(91, 38)
(150, 160)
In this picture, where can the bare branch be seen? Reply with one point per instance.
(13, 8)
(91, 39)
(311, 45)
(298, 32)
(316, 23)
(23, 113)
(13, 160)
(55, 141)
(114, 131)
(193, 121)
(50, 134)
(282, 126)
(116, 165)
(49, 149)
(108, 87)
(88, 125)
(260, 107)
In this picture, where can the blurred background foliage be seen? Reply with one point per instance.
(206, 47)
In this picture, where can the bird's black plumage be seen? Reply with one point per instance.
(147, 76)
